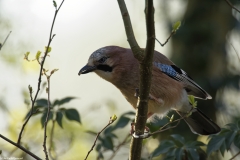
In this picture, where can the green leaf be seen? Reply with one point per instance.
(131, 113)
(48, 49)
(179, 153)
(72, 114)
(107, 143)
(230, 138)
(59, 117)
(192, 101)
(237, 141)
(35, 112)
(63, 101)
(176, 26)
(25, 55)
(179, 139)
(91, 132)
(38, 55)
(238, 124)
(121, 123)
(55, 4)
(193, 154)
(232, 126)
(42, 103)
(215, 143)
(98, 147)
(170, 158)
(44, 116)
(194, 144)
(164, 147)
(223, 148)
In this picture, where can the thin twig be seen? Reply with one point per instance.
(119, 146)
(163, 44)
(162, 128)
(40, 75)
(51, 139)
(46, 121)
(1, 45)
(230, 4)
(235, 156)
(98, 134)
(20, 147)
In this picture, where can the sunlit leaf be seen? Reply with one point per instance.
(176, 26)
(49, 49)
(26, 56)
(38, 54)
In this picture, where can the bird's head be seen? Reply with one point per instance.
(108, 62)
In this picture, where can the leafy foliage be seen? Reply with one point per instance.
(57, 112)
(177, 148)
(223, 141)
(106, 139)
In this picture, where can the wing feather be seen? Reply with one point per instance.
(180, 75)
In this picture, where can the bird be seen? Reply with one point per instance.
(170, 85)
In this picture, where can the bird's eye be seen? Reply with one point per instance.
(102, 60)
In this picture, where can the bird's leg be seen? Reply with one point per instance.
(136, 93)
(133, 128)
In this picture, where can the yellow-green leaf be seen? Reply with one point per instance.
(113, 118)
(49, 49)
(53, 71)
(176, 25)
(192, 101)
(172, 117)
(38, 55)
(26, 56)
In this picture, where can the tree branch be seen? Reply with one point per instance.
(238, 153)
(40, 75)
(137, 51)
(112, 119)
(145, 59)
(1, 45)
(20, 147)
(230, 4)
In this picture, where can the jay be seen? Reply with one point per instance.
(170, 85)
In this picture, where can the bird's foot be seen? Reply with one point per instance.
(144, 135)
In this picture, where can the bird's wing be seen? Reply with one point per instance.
(180, 75)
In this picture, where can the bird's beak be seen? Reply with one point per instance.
(87, 69)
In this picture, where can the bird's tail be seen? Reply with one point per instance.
(199, 123)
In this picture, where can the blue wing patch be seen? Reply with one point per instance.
(167, 69)
(180, 75)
